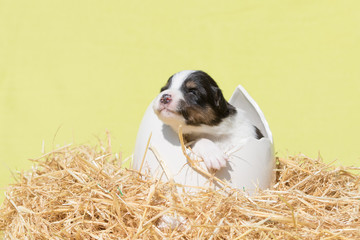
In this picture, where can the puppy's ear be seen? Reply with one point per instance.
(220, 102)
(223, 108)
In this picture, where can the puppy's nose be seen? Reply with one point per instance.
(165, 99)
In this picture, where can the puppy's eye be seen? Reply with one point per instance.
(193, 91)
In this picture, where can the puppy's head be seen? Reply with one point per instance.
(191, 98)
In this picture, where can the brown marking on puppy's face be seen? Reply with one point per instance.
(190, 84)
(198, 115)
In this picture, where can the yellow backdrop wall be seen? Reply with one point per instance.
(69, 70)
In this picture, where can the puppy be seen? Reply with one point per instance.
(211, 124)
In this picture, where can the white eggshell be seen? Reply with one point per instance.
(249, 168)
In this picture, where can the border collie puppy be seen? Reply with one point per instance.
(210, 124)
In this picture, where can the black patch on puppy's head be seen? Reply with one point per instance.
(203, 101)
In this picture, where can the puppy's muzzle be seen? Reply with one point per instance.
(165, 99)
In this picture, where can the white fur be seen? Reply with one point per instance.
(179, 78)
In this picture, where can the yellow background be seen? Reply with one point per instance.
(69, 70)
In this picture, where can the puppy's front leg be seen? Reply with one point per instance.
(213, 156)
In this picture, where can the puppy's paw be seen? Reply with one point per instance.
(213, 156)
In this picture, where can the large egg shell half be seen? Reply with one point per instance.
(249, 168)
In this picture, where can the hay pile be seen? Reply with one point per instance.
(82, 193)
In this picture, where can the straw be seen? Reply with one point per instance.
(81, 192)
